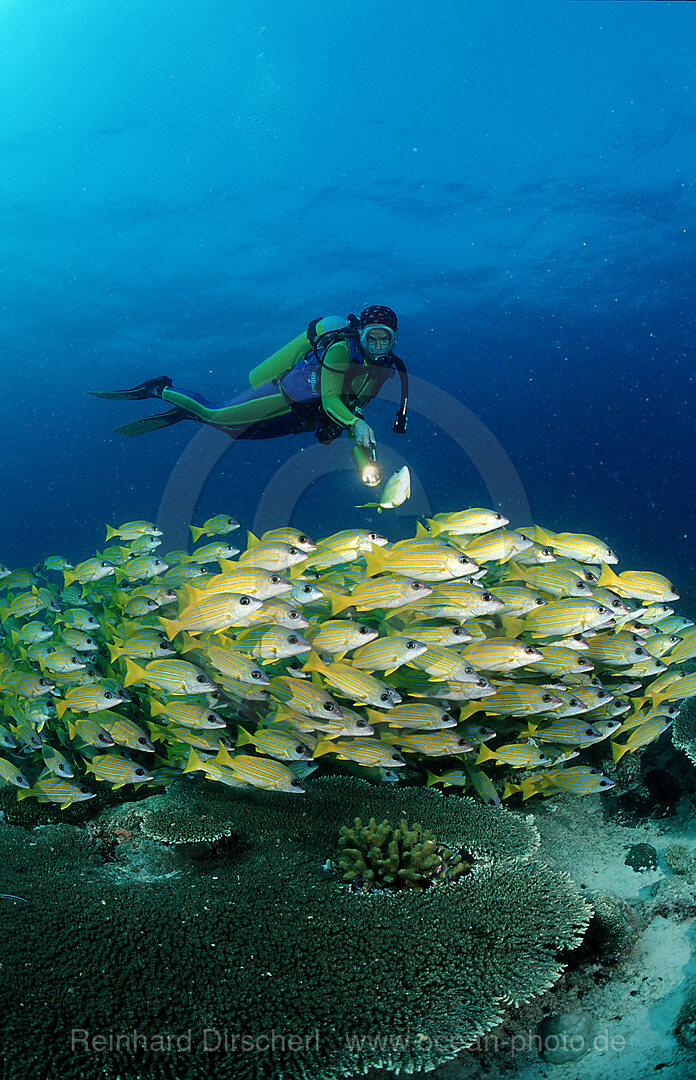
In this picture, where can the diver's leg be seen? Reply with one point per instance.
(264, 403)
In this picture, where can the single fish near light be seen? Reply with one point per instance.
(395, 492)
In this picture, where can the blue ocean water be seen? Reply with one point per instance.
(184, 186)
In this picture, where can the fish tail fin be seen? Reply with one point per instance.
(324, 747)
(374, 561)
(543, 537)
(170, 627)
(243, 736)
(252, 541)
(340, 603)
(156, 707)
(194, 762)
(608, 579)
(61, 707)
(196, 533)
(618, 750)
(134, 673)
(223, 758)
(431, 779)
(484, 754)
(68, 577)
(114, 651)
(421, 531)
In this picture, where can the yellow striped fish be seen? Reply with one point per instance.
(472, 522)
(579, 546)
(424, 560)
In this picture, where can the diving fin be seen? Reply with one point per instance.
(151, 389)
(152, 423)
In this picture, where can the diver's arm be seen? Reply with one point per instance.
(333, 374)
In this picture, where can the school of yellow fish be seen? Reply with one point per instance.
(470, 655)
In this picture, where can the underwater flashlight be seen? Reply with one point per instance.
(371, 474)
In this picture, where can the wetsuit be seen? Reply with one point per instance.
(346, 382)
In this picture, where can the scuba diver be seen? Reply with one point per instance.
(319, 382)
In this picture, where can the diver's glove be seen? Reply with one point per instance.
(363, 434)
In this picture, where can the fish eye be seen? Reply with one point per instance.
(256, 674)
(201, 678)
(582, 585)
(361, 723)
(139, 772)
(108, 695)
(574, 701)
(538, 601)
(529, 650)
(416, 585)
(244, 601)
(498, 517)
(602, 694)
(293, 614)
(292, 639)
(372, 536)
(303, 539)
(609, 551)
(364, 630)
(329, 706)
(294, 551)
(547, 551)
(547, 697)
(300, 749)
(296, 783)
(463, 560)
(396, 757)
(142, 741)
(603, 783)
(601, 609)
(487, 596)
(274, 579)
(411, 644)
(481, 682)
(640, 652)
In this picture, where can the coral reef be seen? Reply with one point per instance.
(641, 857)
(272, 942)
(401, 857)
(613, 930)
(684, 730)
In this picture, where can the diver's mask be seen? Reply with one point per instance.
(382, 347)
